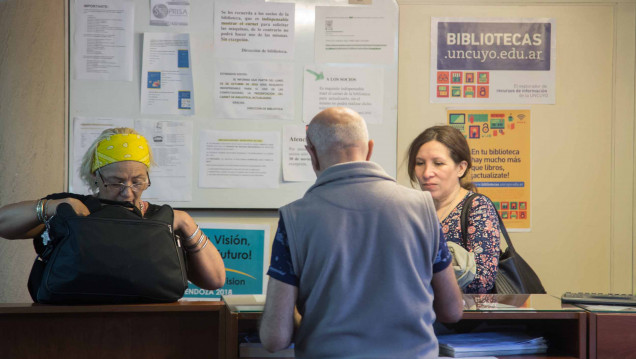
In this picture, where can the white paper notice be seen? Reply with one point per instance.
(103, 40)
(233, 159)
(85, 131)
(359, 88)
(166, 75)
(254, 29)
(354, 34)
(169, 13)
(296, 161)
(171, 144)
(254, 90)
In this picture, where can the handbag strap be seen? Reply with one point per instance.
(464, 218)
(464, 222)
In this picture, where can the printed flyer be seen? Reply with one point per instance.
(243, 248)
(499, 141)
(477, 60)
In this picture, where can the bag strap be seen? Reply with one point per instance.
(464, 218)
(464, 222)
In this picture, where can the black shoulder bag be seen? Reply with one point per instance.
(514, 274)
(113, 255)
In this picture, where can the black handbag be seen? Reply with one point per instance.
(113, 255)
(514, 274)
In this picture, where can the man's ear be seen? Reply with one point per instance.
(371, 143)
(314, 156)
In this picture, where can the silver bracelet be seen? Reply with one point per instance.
(203, 246)
(193, 234)
(188, 248)
(44, 211)
(38, 211)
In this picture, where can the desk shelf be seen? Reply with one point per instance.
(566, 332)
(237, 323)
(565, 326)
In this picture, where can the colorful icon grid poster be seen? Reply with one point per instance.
(499, 141)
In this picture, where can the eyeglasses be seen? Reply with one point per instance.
(135, 187)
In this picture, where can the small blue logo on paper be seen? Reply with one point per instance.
(185, 100)
(154, 79)
(183, 61)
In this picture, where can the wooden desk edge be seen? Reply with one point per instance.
(180, 306)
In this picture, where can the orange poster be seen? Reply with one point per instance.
(499, 141)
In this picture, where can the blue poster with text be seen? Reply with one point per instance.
(243, 251)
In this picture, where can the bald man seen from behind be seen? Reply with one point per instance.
(360, 257)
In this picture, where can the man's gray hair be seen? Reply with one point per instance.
(350, 130)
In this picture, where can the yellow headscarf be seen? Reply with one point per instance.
(121, 147)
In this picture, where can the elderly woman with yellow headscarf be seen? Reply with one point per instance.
(116, 168)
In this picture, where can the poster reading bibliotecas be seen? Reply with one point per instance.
(243, 248)
(479, 60)
(499, 142)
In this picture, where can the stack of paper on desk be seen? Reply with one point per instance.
(245, 302)
(490, 343)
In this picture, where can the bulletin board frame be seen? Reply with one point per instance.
(121, 99)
